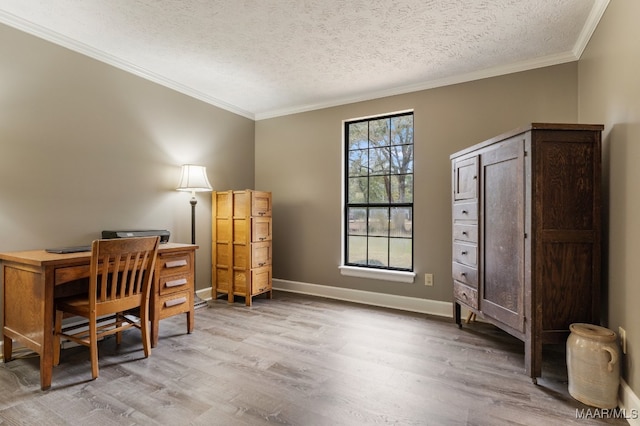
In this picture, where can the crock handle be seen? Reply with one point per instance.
(614, 358)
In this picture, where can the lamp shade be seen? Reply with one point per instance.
(194, 179)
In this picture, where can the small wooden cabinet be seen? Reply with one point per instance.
(241, 244)
(526, 232)
(174, 286)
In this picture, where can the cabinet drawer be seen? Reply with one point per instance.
(465, 274)
(260, 280)
(260, 254)
(261, 229)
(261, 203)
(175, 303)
(176, 263)
(465, 211)
(465, 232)
(174, 283)
(465, 295)
(466, 254)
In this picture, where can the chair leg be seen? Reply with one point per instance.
(93, 346)
(56, 337)
(118, 325)
(144, 329)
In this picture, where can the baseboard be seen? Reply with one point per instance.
(412, 304)
(204, 294)
(629, 403)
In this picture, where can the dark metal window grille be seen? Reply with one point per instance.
(379, 192)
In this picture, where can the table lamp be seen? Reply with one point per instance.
(194, 179)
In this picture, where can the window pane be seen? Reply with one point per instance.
(402, 189)
(402, 130)
(379, 132)
(378, 251)
(357, 190)
(379, 161)
(378, 189)
(400, 253)
(357, 221)
(401, 224)
(359, 162)
(401, 159)
(357, 250)
(379, 222)
(359, 135)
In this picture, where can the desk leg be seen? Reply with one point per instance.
(190, 320)
(28, 313)
(46, 353)
(7, 349)
(155, 323)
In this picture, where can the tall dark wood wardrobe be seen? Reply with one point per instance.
(526, 210)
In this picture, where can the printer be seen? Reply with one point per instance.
(162, 233)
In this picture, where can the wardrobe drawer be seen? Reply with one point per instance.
(465, 295)
(466, 254)
(464, 232)
(465, 211)
(465, 274)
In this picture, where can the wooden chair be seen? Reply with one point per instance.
(120, 279)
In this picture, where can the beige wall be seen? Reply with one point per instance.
(299, 158)
(609, 92)
(86, 147)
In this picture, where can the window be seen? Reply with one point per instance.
(378, 192)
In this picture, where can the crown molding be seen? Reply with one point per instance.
(430, 84)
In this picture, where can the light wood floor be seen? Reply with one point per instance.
(298, 360)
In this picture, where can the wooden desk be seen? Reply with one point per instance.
(33, 279)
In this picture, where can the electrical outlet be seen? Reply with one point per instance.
(428, 280)
(622, 334)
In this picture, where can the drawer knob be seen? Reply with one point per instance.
(464, 252)
(465, 212)
(175, 283)
(261, 264)
(463, 274)
(175, 302)
(176, 263)
(464, 233)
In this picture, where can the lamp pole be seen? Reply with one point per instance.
(193, 216)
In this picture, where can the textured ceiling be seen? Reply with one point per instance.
(264, 58)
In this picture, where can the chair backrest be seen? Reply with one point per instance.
(121, 273)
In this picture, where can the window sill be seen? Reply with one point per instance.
(376, 274)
